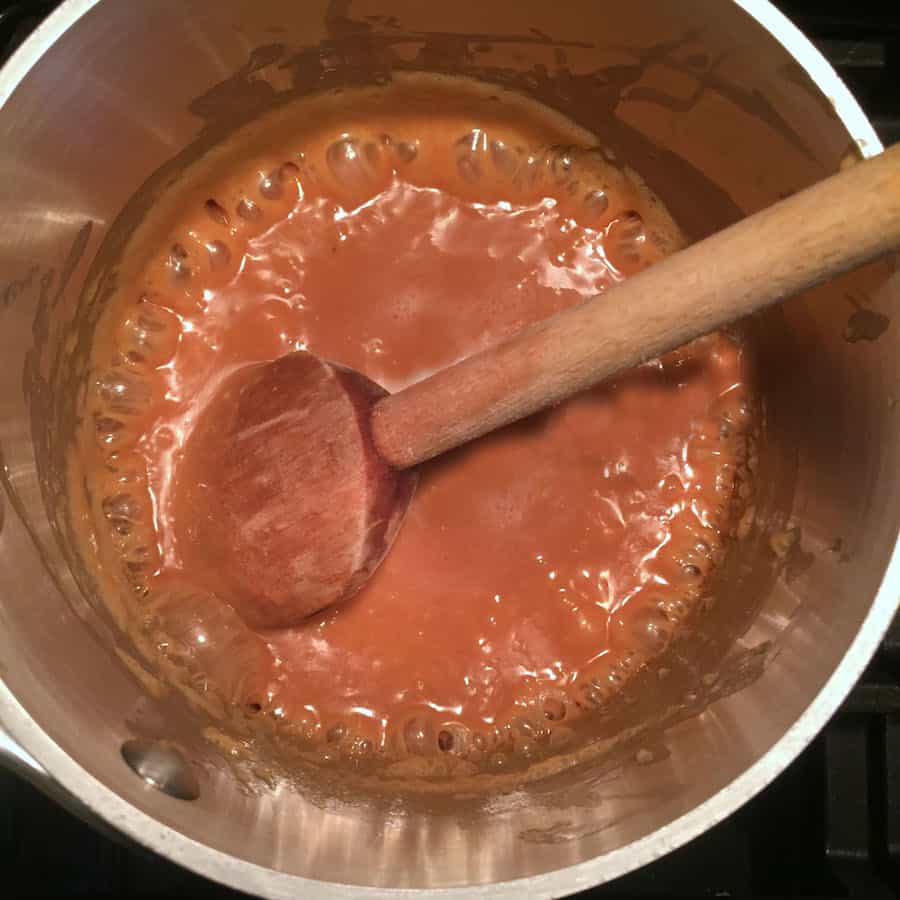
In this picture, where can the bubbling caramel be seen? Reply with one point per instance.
(396, 231)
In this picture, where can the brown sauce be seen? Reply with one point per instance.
(538, 569)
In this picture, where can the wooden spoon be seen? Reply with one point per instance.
(308, 465)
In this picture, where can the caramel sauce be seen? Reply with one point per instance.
(539, 568)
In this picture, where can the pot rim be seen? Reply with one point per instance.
(64, 772)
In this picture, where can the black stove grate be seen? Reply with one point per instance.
(862, 41)
(829, 826)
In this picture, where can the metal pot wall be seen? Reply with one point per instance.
(724, 107)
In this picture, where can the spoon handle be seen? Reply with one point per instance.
(833, 226)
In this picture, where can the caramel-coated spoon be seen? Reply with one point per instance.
(309, 466)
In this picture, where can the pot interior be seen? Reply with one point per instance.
(721, 120)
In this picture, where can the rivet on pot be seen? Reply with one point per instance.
(162, 767)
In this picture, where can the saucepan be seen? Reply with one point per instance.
(724, 107)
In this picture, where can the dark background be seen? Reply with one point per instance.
(828, 827)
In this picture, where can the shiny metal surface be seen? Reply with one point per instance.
(724, 107)
(162, 767)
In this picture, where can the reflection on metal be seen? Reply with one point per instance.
(15, 758)
(162, 767)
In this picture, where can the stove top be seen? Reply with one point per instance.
(829, 826)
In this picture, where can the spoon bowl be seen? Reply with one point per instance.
(294, 508)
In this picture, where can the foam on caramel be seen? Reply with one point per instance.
(397, 230)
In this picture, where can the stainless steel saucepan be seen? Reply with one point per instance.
(724, 107)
